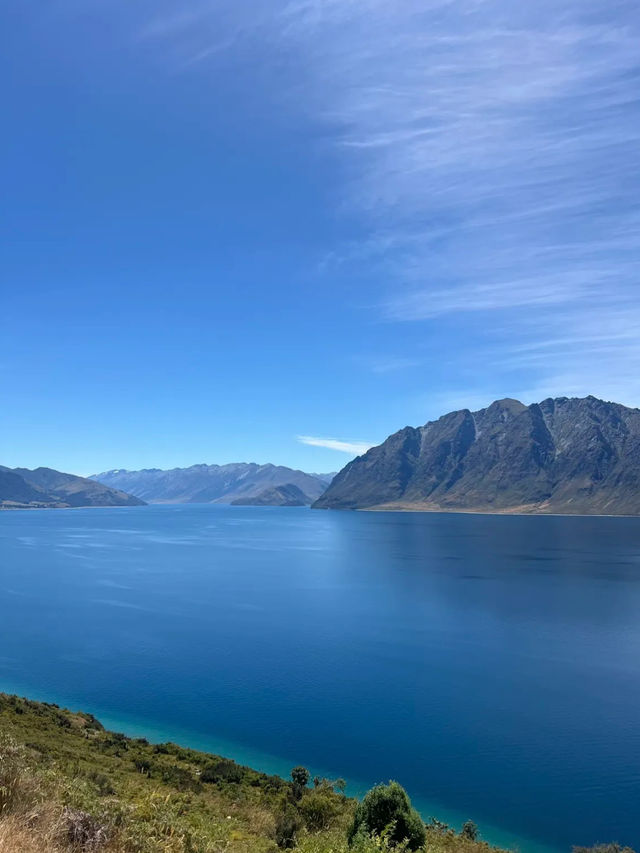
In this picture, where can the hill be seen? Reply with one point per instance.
(211, 483)
(67, 784)
(564, 455)
(286, 495)
(22, 488)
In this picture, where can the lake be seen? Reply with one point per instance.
(491, 664)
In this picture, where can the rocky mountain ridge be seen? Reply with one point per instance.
(563, 455)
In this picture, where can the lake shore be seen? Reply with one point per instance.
(271, 765)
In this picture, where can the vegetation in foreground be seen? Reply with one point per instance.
(69, 786)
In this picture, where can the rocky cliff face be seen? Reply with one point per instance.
(562, 455)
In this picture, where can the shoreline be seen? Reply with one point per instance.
(4, 508)
(274, 765)
(520, 513)
(381, 508)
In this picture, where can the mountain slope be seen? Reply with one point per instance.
(565, 455)
(210, 483)
(15, 489)
(44, 487)
(287, 495)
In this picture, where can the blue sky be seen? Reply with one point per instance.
(279, 231)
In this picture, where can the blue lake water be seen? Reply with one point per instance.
(491, 664)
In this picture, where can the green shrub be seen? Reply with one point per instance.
(222, 771)
(288, 824)
(319, 809)
(387, 808)
(179, 777)
(142, 766)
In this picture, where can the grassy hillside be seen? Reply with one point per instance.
(67, 784)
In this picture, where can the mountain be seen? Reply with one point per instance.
(287, 495)
(211, 483)
(564, 455)
(44, 487)
(326, 478)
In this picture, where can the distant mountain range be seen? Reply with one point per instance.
(43, 487)
(564, 455)
(239, 482)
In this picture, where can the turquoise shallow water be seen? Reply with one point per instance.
(489, 663)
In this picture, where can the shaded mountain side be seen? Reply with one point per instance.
(15, 489)
(287, 495)
(211, 483)
(565, 455)
(44, 487)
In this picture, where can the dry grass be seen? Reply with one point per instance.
(35, 833)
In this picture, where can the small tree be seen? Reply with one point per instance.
(388, 808)
(469, 830)
(300, 776)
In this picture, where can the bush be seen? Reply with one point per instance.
(179, 777)
(469, 830)
(222, 771)
(388, 807)
(102, 782)
(288, 824)
(318, 809)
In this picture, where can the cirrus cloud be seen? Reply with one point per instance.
(354, 448)
(491, 151)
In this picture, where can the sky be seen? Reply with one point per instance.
(280, 231)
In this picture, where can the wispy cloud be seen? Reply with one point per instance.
(495, 151)
(492, 151)
(354, 448)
